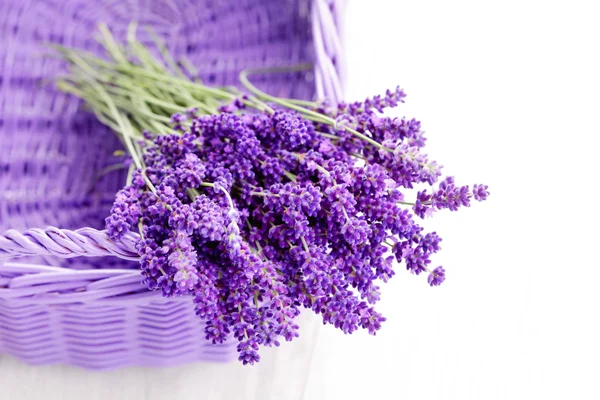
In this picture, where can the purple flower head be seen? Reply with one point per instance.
(248, 352)
(125, 213)
(449, 196)
(422, 207)
(186, 277)
(235, 106)
(211, 223)
(480, 192)
(232, 232)
(437, 276)
(377, 103)
(293, 129)
(189, 172)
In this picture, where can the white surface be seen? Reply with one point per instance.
(509, 95)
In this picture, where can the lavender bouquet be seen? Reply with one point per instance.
(258, 206)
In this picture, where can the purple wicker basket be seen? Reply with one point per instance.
(73, 296)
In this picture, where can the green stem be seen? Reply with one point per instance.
(164, 52)
(262, 95)
(111, 46)
(327, 135)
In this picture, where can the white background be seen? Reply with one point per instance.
(508, 93)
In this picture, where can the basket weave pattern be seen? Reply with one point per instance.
(70, 294)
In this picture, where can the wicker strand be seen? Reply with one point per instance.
(327, 48)
(65, 243)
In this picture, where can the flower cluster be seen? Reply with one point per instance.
(257, 214)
